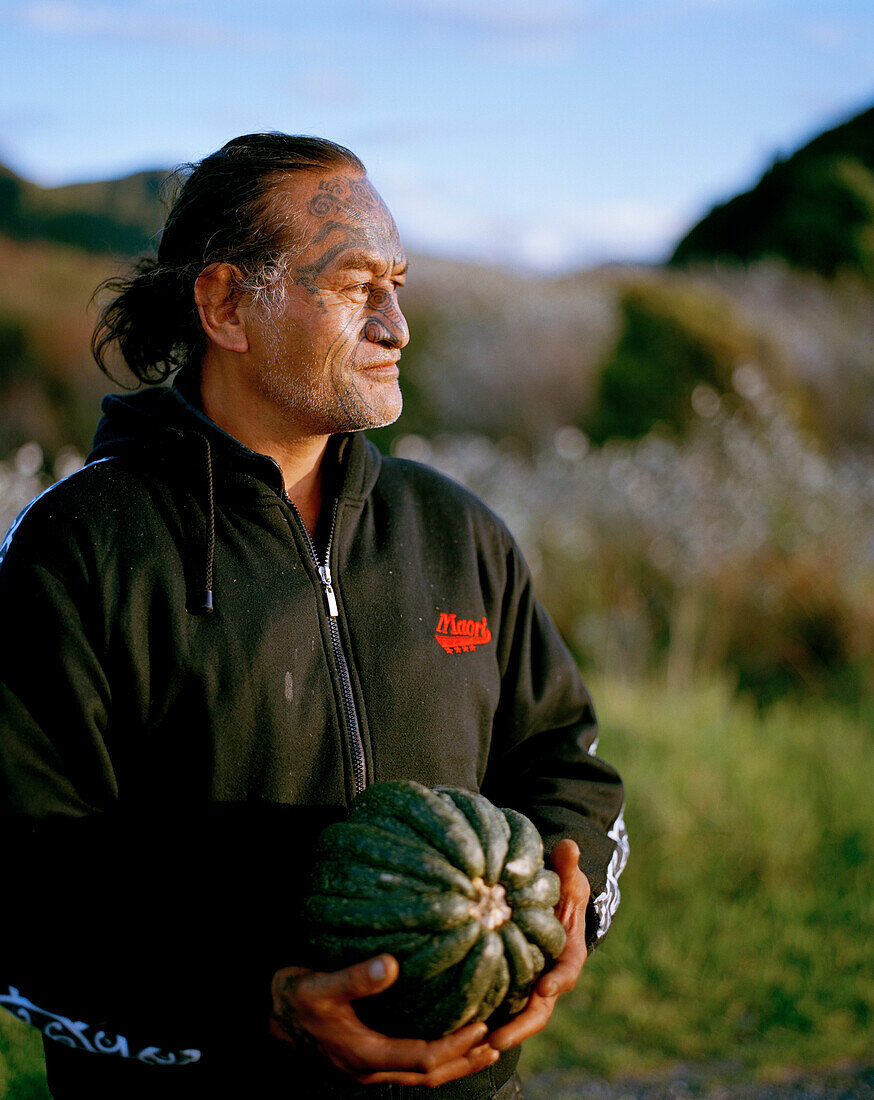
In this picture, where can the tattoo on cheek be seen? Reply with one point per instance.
(345, 382)
(343, 344)
(337, 359)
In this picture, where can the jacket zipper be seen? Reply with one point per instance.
(340, 662)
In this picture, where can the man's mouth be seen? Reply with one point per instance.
(387, 367)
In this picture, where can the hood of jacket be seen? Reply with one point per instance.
(163, 429)
(166, 424)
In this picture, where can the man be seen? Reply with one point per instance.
(227, 626)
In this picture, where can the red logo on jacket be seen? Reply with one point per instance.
(461, 635)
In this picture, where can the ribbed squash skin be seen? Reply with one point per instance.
(449, 884)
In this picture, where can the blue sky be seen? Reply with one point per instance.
(549, 133)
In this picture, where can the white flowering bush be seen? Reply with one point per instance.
(24, 476)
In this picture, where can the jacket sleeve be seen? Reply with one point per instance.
(110, 918)
(543, 758)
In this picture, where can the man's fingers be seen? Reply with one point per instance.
(563, 976)
(380, 1053)
(375, 1057)
(571, 911)
(533, 1018)
(319, 1004)
(457, 1044)
(575, 888)
(475, 1060)
(361, 980)
(278, 1031)
(565, 856)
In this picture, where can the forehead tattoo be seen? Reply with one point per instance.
(351, 214)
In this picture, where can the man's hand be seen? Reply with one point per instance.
(562, 976)
(318, 1007)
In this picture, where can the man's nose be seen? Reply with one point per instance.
(387, 324)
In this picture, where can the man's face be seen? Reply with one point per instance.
(326, 358)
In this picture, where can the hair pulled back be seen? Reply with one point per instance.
(223, 213)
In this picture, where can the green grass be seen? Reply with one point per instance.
(744, 934)
(22, 1076)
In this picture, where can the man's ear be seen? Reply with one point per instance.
(217, 297)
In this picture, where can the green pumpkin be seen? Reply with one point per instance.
(449, 884)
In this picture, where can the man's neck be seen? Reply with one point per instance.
(302, 471)
(299, 457)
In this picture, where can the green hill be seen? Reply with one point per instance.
(118, 216)
(814, 210)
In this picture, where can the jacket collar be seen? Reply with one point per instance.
(151, 419)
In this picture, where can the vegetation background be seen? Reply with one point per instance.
(686, 454)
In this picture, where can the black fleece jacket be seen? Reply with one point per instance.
(164, 770)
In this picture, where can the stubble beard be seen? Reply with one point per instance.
(320, 398)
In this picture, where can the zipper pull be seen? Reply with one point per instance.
(325, 574)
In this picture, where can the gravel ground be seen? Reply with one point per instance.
(706, 1083)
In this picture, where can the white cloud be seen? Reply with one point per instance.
(145, 22)
(325, 85)
(497, 15)
(622, 229)
(554, 20)
(452, 223)
(542, 32)
(829, 33)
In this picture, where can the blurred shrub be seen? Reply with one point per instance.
(676, 335)
(36, 403)
(799, 625)
(14, 358)
(50, 390)
(22, 1064)
(821, 333)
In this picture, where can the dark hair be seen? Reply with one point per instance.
(224, 212)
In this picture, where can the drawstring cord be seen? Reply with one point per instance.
(206, 602)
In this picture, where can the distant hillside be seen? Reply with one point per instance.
(814, 210)
(119, 216)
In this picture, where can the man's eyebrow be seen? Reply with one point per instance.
(360, 259)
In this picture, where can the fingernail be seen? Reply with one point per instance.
(377, 970)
